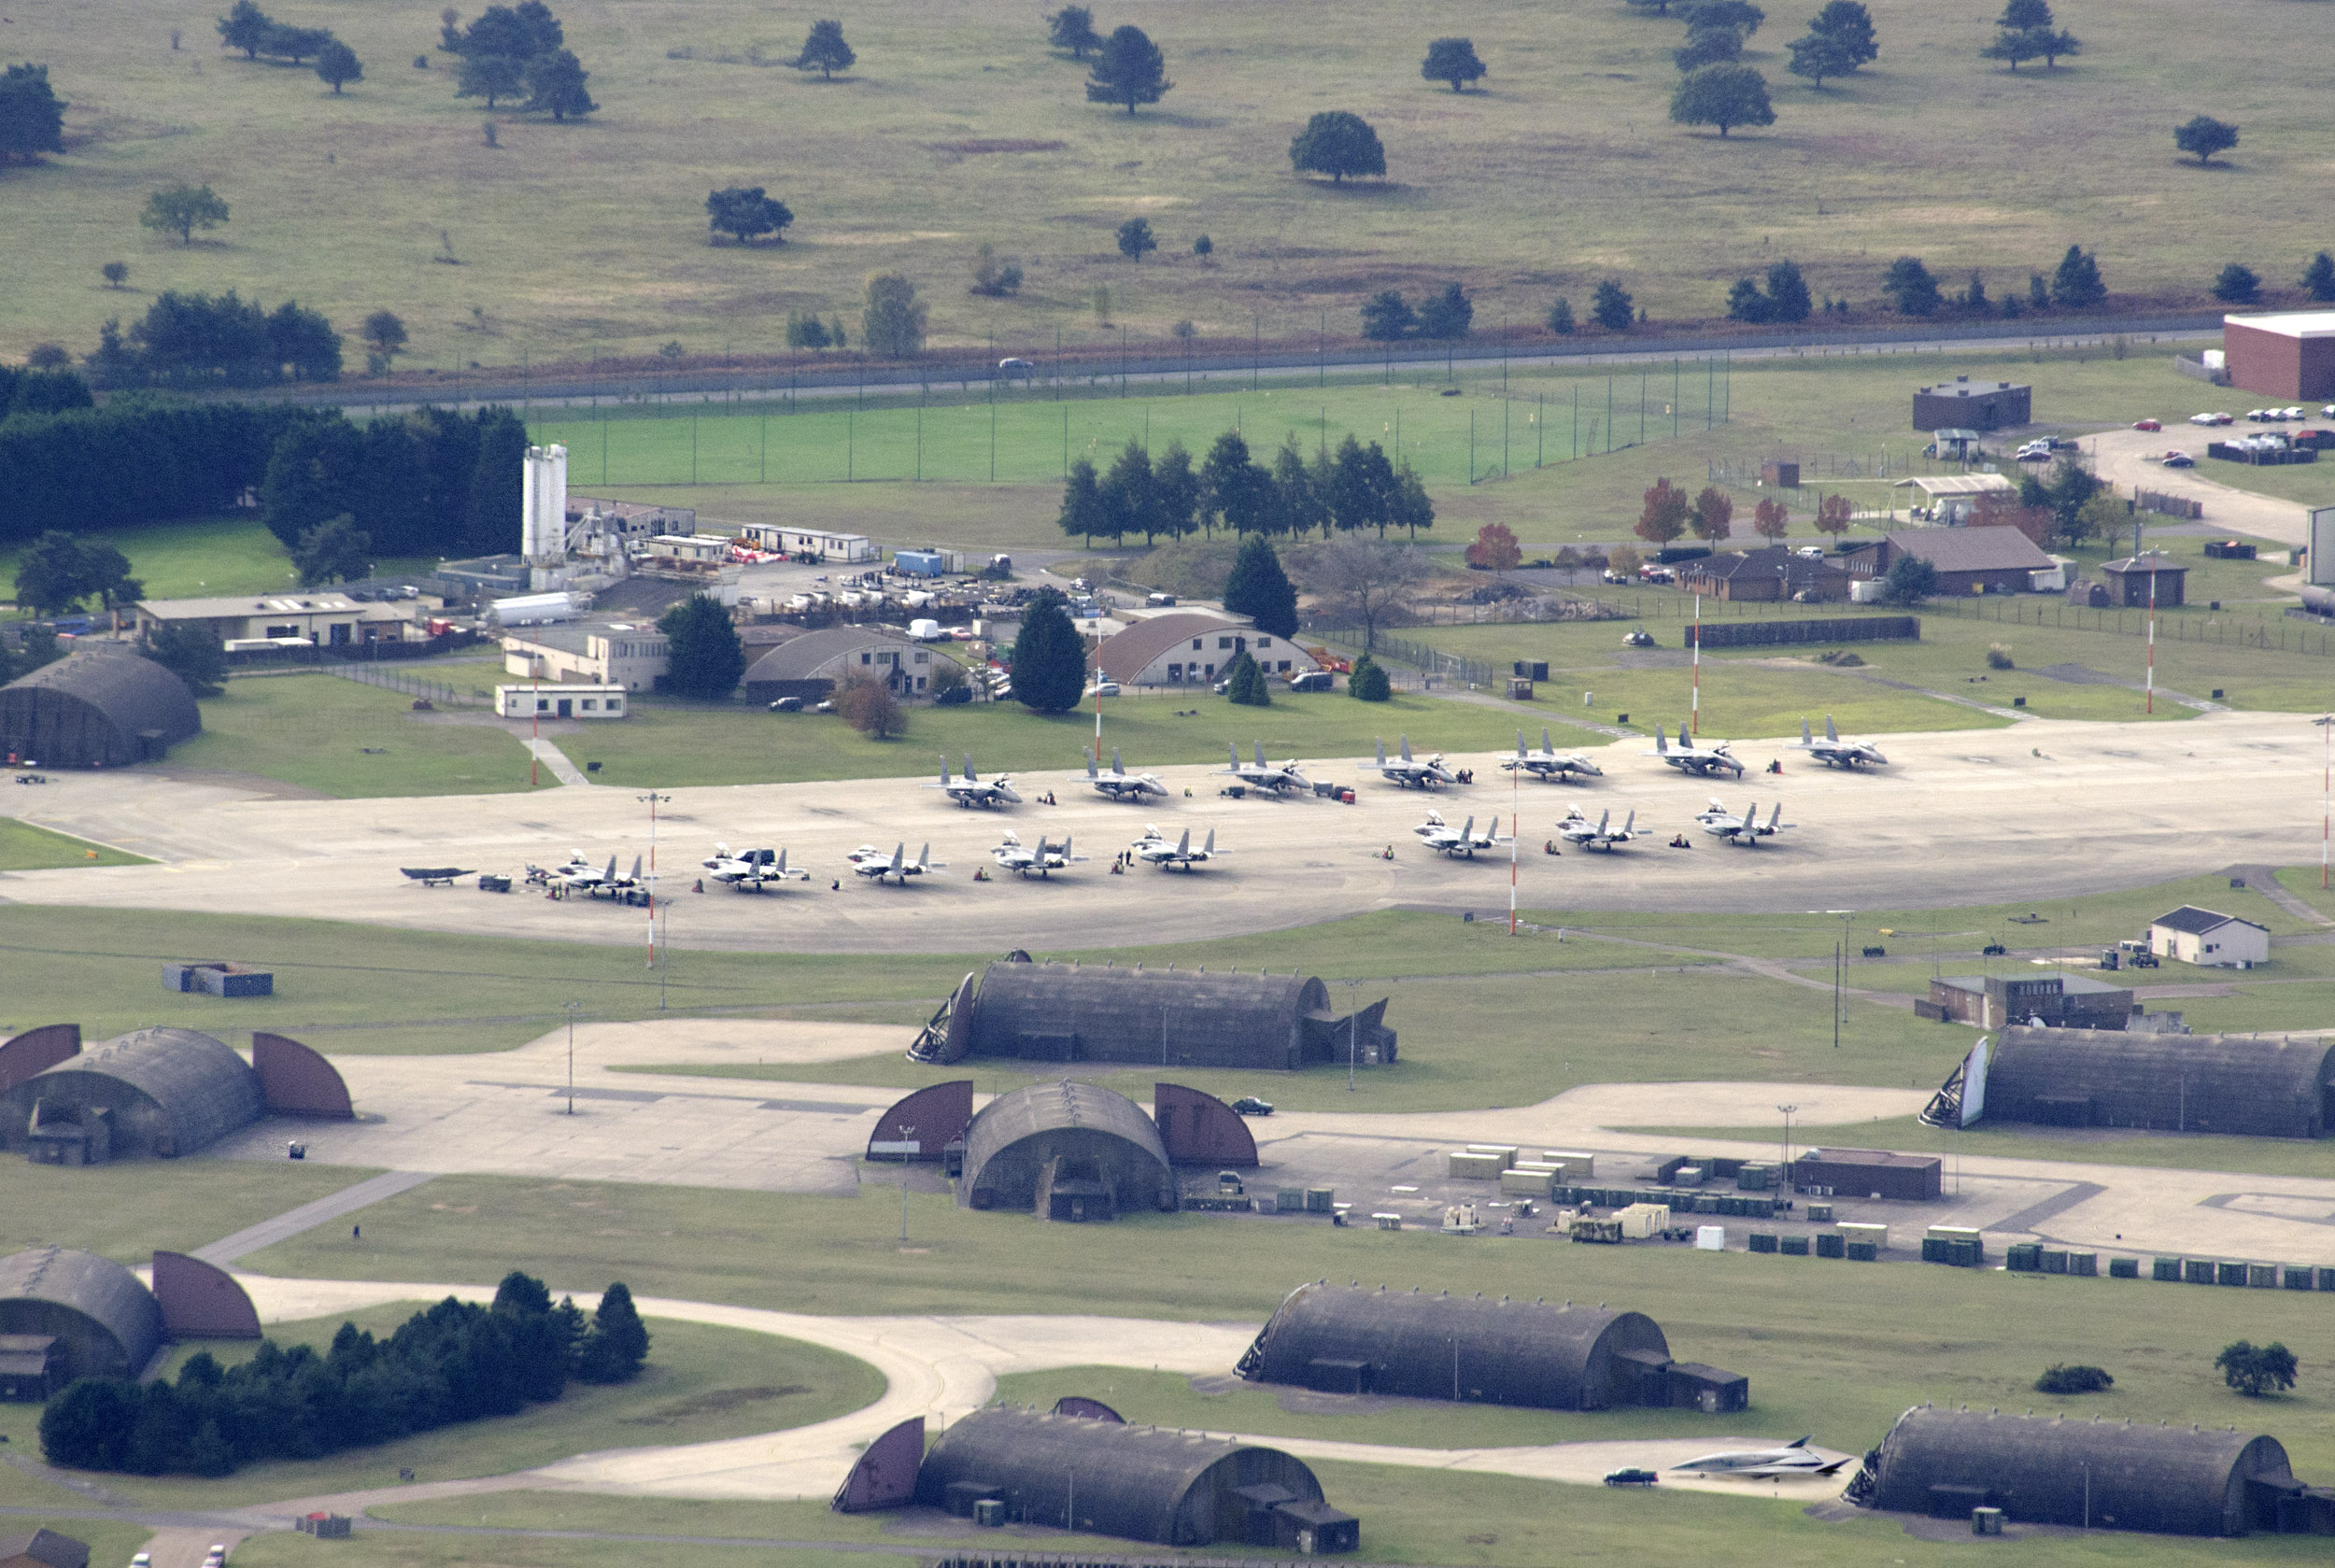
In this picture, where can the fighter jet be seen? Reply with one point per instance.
(872, 863)
(1759, 1465)
(628, 888)
(433, 876)
(1046, 858)
(1407, 773)
(580, 875)
(1688, 758)
(1833, 752)
(1120, 785)
(1440, 836)
(973, 790)
(751, 870)
(1746, 830)
(1549, 763)
(1263, 775)
(1153, 849)
(1578, 830)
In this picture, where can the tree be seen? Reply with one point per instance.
(745, 212)
(294, 44)
(1049, 656)
(337, 64)
(1745, 302)
(805, 331)
(1722, 95)
(1203, 248)
(1665, 513)
(1561, 317)
(1626, 560)
(555, 82)
(334, 551)
(1911, 286)
(1447, 315)
(246, 28)
(1386, 318)
(1259, 588)
(1367, 682)
(1244, 683)
(1771, 518)
(1496, 549)
(2237, 285)
(1788, 292)
(181, 209)
(1910, 580)
(2318, 279)
(1129, 70)
(1452, 60)
(1135, 237)
(2059, 1378)
(1363, 580)
(893, 323)
(1336, 143)
(1411, 508)
(1819, 55)
(1848, 25)
(32, 120)
(517, 33)
(2025, 31)
(825, 51)
(1833, 515)
(190, 651)
(490, 76)
(707, 660)
(1361, 489)
(1714, 515)
(115, 274)
(1234, 491)
(1083, 512)
(868, 707)
(614, 1348)
(1708, 45)
(991, 277)
(2076, 285)
(1298, 502)
(1073, 28)
(2255, 1370)
(385, 335)
(1175, 492)
(52, 575)
(2205, 136)
(1741, 15)
(1610, 307)
(1126, 493)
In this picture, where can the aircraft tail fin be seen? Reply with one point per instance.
(612, 868)
(1209, 847)
(1467, 829)
(1683, 741)
(1806, 739)
(1661, 743)
(1382, 752)
(1406, 741)
(1631, 826)
(1183, 845)
(1260, 754)
(1520, 743)
(636, 868)
(925, 854)
(1544, 741)
(1232, 749)
(1800, 1442)
(1776, 818)
(1830, 733)
(1603, 817)
(781, 863)
(1091, 771)
(971, 777)
(945, 770)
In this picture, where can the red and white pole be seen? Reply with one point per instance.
(1695, 702)
(2326, 790)
(535, 689)
(1516, 833)
(2152, 639)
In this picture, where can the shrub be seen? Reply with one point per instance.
(1368, 682)
(868, 706)
(1244, 683)
(2061, 1379)
(2255, 1370)
(1999, 657)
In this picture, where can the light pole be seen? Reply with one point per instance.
(572, 1006)
(2327, 789)
(652, 799)
(1787, 1109)
(908, 1135)
(1354, 1034)
(1840, 960)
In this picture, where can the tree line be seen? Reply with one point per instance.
(1356, 486)
(433, 482)
(198, 340)
(133, 461)
(456, 1362)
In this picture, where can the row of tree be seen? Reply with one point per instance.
(2075, 284)
(253, 31)
(1354, 487)
(510, 50)
(133, 461)
(198, 340)
(24, 389)
(456, 1362)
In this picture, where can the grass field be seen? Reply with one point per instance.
(119, 1212)
(376, 1548)
(197, 557)
(26, 848)
(342, 737)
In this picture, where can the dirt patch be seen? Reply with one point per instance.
(714, 1402)
(997, 144)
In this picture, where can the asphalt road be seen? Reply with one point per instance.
(2127, 458)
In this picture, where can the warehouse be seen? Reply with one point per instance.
(1870, 1173)
(101, 1322)
(1140, 1483)
(1968, 560)
(1978, 405)
(561, 700)
(1072, 1013)
(163, 1093)
(2290, 355)
(1349, 1339)
(326, 619)
(812, 665)
(2209, 939)
(96, 709)
(1066, 1151)
(2062, 1000)
(2245, 1085)
(2108, 1475)
(1191, 648)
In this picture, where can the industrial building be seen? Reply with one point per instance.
(1948, 500)
(1767, 575)
(1066, 1150)
(1968, 560)
(1877, 1173)
(98, 1319)
(1140, 1483)
(1349, 1339)
(2170, 1480)
(1193, 648)
(2133, 580)
(159, 1093)
(1072, 1013)
(2061, 1000)
(560, 700)
(631, 657)
(324, 619)
(2246, 1085)
(810, 544)
(2290, 355)
(2209, 939)
(1978, 405)
(631, 519)
(102, 708)
(812, 665)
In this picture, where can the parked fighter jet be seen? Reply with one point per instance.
(751, 870)
(629, 888)
(1046, 858)
(1578, 829)
(1688, 758)
(1549, 763)
(1262, 775)
(1794, 1459)
(870, 862)
(1443, 838)
(1153, 849)
(1833, 752)
(1407, 771)
(973, 790)
(580, 875)
(1120, 785)
(1746, 830)
(433, 876)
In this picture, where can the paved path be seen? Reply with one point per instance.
(2130, 458)
(347, 1201)
(551, 756)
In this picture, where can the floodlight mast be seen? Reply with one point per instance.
(2327, 789)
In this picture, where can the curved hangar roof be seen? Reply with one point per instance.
(2257, 1085)
(2049, 1470)
(1069, 1013)
(1068, 1139)
(1346, 1339)
(107, 1323)
(172, 1090)
(1140, 1483)
(96, 709)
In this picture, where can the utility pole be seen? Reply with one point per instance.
(2327, 789)
(571, 1006)
(1787, 1109)
(652, 799)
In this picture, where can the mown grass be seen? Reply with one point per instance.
(345, 739)
(124, 1212)
(200, 556)
(26, 848)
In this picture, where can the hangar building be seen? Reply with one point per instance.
(1072, 1013)
(94, 1318)
(2114, 1475)
(1066, 1151)
(159, 1092)
(2247, 1085)
(1347, 1340)
(1141, 1483)
(96, 709)
(1189, 648)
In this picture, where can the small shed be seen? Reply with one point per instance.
(1859, 1172)
(2209, 939)
(43, 1548)
(2133, 579)
(1781, 471)
(1985, 405)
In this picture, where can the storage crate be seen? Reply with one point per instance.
(1792, 1246)
(2165, 1268)
(1820, 1213)
(1762, 1241)
(1580, 1166)
(2123, 1268)
(1966, 1254)
(2025, 1257)
(1863, 1253)
(2229, 1274)
(2083, 1264)
(2262, 1276)
(2327, 1279)
(2197, 1271)
(2298, 1278)
(1754, 1179)
(1504, 1153)
(2051, 1260)
(1832, 1244)
(1526, 1183)
(1463, 1164)
(1878, 1236)
(1320, 1200)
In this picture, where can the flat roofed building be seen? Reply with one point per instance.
(1981, 405)
(561, 700)
(2290, 355)
(2063, 1000)
(810, 543)
(1191, 648)
(2209, 939)
(1870, 1172)
(326, 619)
(631, 657)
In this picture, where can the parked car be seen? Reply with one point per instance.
(1016, 367)
(1249, 1105)
(2034, 452)
(1632, 1476)
(787, 705)
(1993, 950)
(2146, 425)
(1613, 577)
(1810, 552)
(2179, 459)
(2064, 443)
(1313, 680)
(2290, 413)
(1109, 688)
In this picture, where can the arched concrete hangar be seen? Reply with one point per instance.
(94, 1318)
(96, 709)
(156, 1093)
(2173, 1480)
(1066, 1151)
(2246, 1085)
(1349, 1339)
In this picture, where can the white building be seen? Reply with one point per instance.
(626, 657)
(1191, 648)
(331, 620)
(2210, 940)
(810, 544)
(561, 700)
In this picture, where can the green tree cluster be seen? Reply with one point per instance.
(1072, 28)
(335, 550)
(2237, 285)
(1610, 307)
(747, 212)
(197, 341)
(1839, 39)
(1388, 317)
(132, 463)
(2066, 492)
(1244, 683)
(32, 118)
(708, 659)
(1135, 237)
(891, 325)
(510, 50)
(181, 209)
(2318, 277)
(26, 391)
(190, 651)
(1725, 95)
(57, 572)
(1355, 488)
(2255, 1370)
(1786, 298)
(431, 483)
(2026, 31)
(253, 31)
(1367, 682)
(1909, 581)
(1912, 287)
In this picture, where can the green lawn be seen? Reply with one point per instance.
(124, 1212)
(197, 557)
(376, 1548)
(346, 739)
(26, 848)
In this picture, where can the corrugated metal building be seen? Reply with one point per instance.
(2249, 1085)
(96, 709)
(2062, 1001)
(1870, 1172)
(1979, 405)
(1348, 1339)
(1066, 1151)
(2110, 1475)
(161, 1092)
(1141, 1483)
(812, 665)
(104, 1322)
